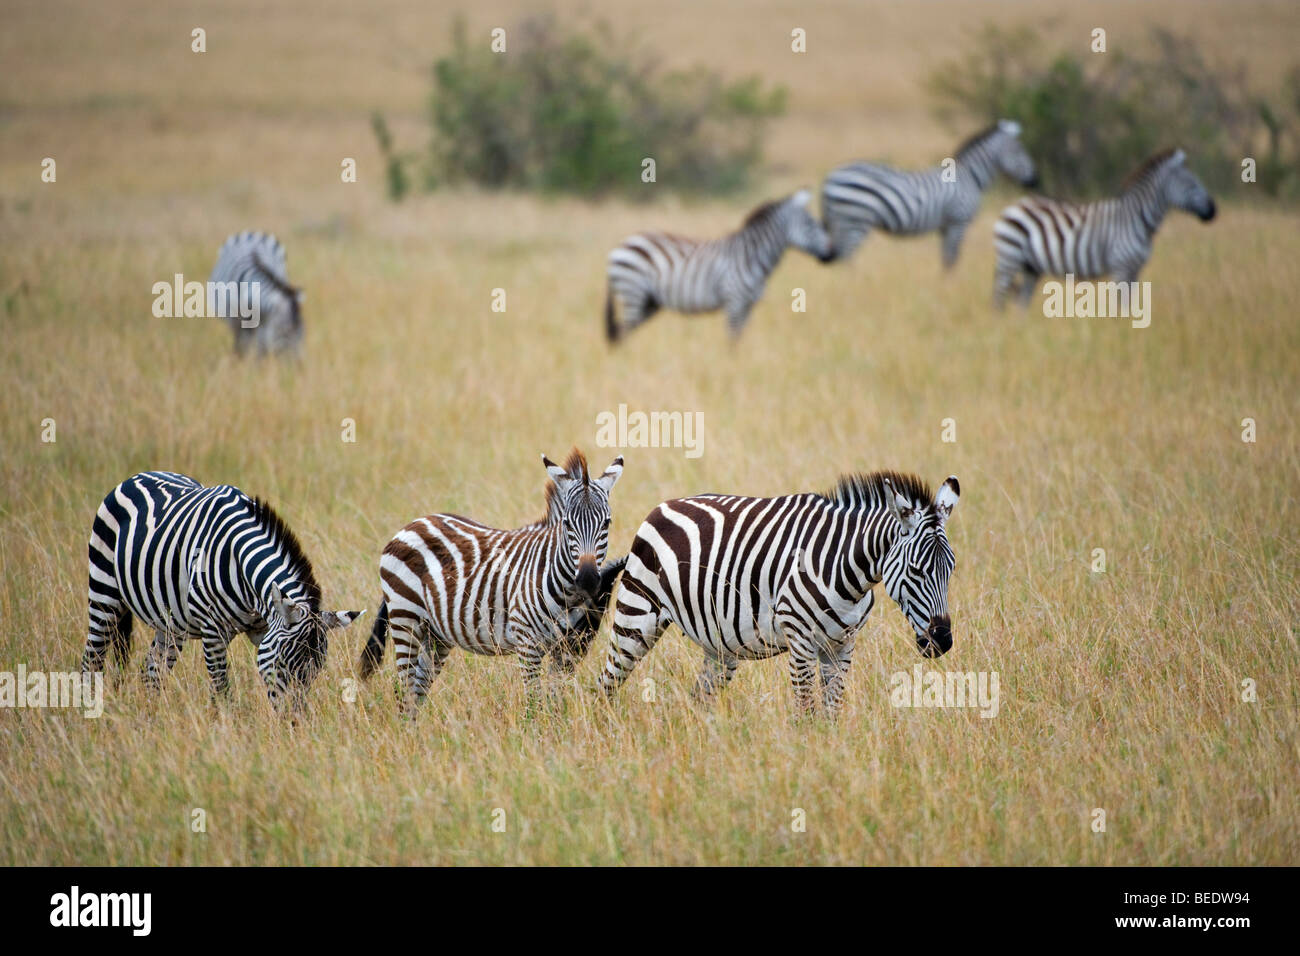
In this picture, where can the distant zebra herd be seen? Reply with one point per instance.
(745, 578)
(651, 271)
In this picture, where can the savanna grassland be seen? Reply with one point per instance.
(1120, 690)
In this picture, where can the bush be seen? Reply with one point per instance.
(572, 113)
(1089, 119)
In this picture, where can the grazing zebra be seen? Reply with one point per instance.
(749, 578)
(451, 582)
(1038, 236)
(205, 563)
(257, 257)
(654, 270)
(861, 196)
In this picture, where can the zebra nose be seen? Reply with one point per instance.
(1209, 212)
(588, 579)
(1032, 181)
(938, 638)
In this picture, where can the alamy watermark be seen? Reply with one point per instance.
(1088, 299)
(209, 300)
(624, 429)
(922, 688)
(66, 689)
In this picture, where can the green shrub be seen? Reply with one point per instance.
(576, 113)
(1090, 118)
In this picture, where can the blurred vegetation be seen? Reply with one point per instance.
(568, 112)
(1091, 118)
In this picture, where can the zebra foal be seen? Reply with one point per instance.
(750, 578)
(452, 582)
(204, 563)
(654, 270)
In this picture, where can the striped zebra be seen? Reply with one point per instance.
(257, 257)
(654, 270)
(749, 578)
(204, 563)
(861, 196)
(452, 582)
(1112, 237)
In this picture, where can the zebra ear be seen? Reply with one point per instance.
(611, 474)
(558, 474)
(1010, 127)
(902, 509)
(946, 499)
(333, 620)
(290, 613)
(802, 198)
(1178, 158)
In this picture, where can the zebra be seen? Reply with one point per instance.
(450, 582)
(257, 257)
(204, 562)
(861, 196)
(1038, 236)
(750, 578)
(654, 270)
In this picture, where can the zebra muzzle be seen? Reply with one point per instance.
(938, 638)
(588, 579)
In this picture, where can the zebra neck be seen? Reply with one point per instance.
(560, 568)
(763, 242)
(1145, 207)
(977, 160)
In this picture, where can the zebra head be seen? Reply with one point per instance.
(1011, 157)
(803, 230)
(281, 330)
(583, 506)
(297, 637)
(1181, 189)
(920, 562)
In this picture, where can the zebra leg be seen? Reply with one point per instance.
(834, 661)
(214, 655)
(1028, 282)
(737, 316)
(161, 658)
(952, 236)
(639, 621)
(110, 625)
(418, 661)
(803, 667)
(1003, 279)
(717, 672)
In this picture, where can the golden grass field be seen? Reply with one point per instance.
(1119, 690)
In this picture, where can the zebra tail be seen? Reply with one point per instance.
(372, 655)
(611, 323)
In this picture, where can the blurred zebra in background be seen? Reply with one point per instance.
(861, 196)
(749, 578)
(654, 270)
(452, 582)
(1112, 237)
(203, 563)
(257, 257)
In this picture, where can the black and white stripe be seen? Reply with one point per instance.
(859, 197)
(452, 582)
(1112, 237)
(203, 563)
(749, 578)
(255, 261)
(655, 270)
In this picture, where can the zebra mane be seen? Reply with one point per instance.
(858, 489)
(576, 465)
(1148, 167)
(972, 141)
(287, 542)
(763, 212)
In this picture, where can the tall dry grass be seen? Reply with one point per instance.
(1120, 690)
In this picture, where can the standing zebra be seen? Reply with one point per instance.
(451, 582)
(206, 563)
(749, 578)
(861, 196)
(654, 270)
(1038, 236)
(257, 257)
